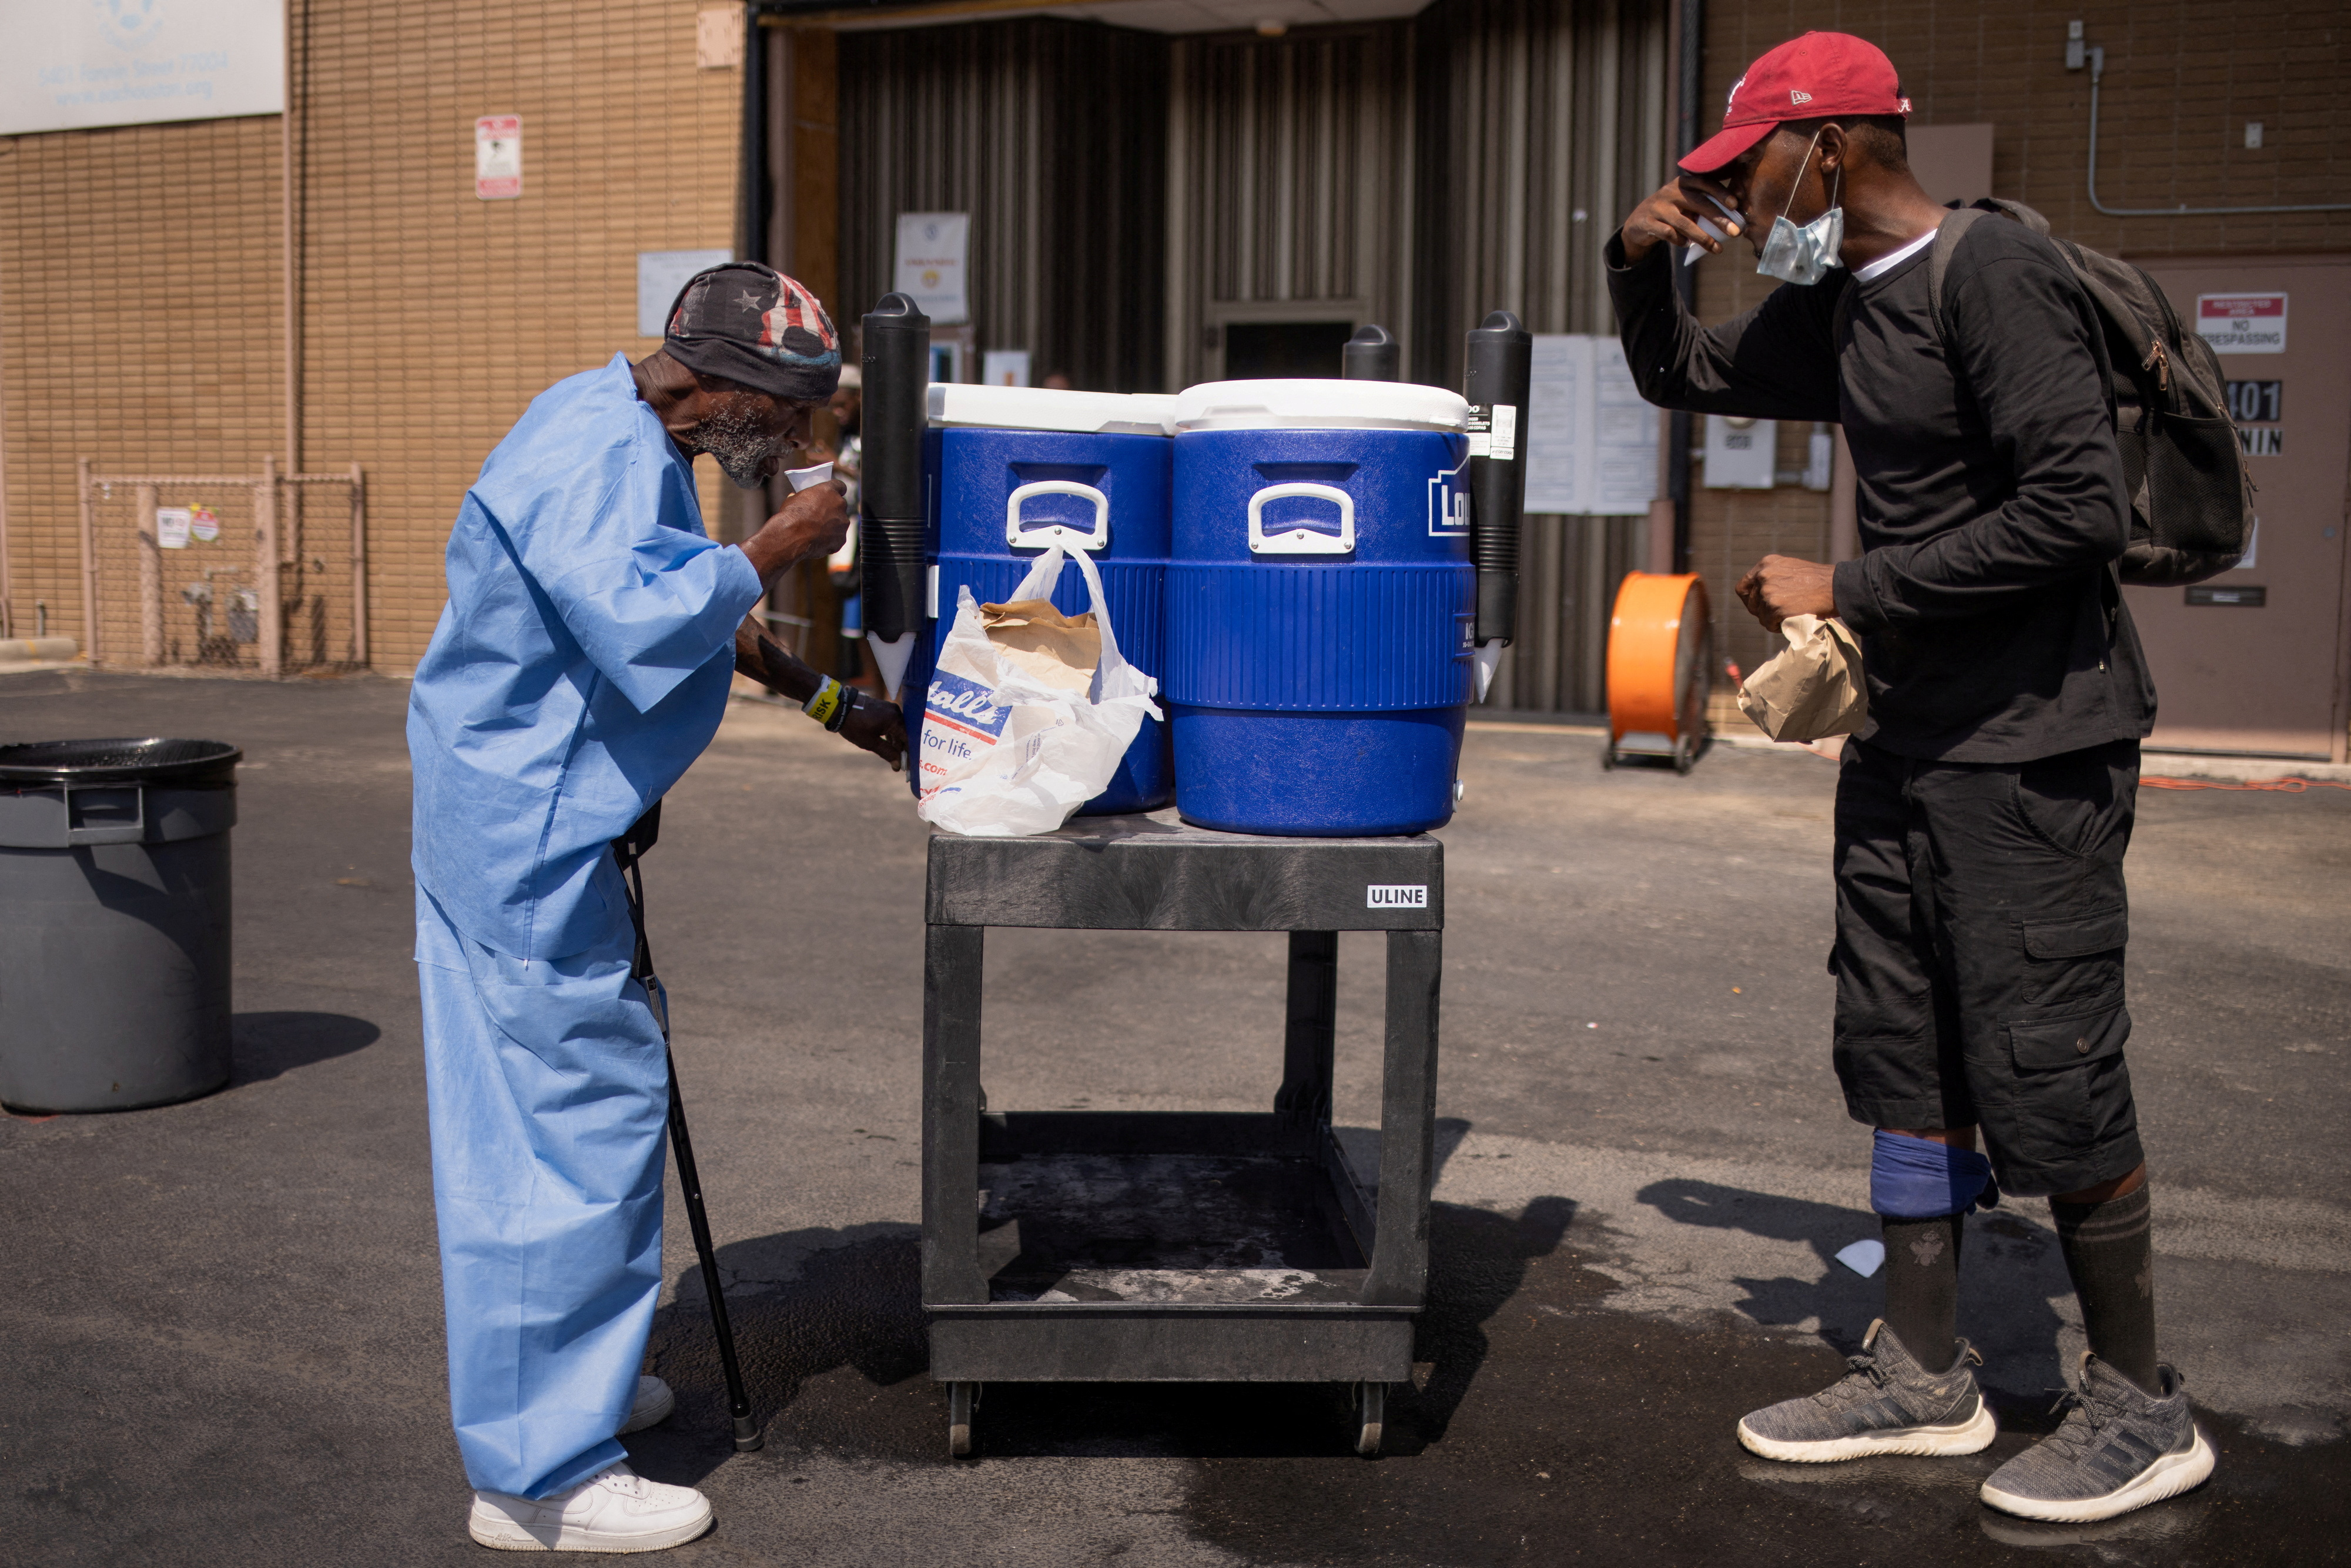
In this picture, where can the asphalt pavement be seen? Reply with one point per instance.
(222, 1342)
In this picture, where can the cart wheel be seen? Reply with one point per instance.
(961, 1398)
(1371, 1408)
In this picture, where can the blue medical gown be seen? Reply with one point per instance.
(581, 666)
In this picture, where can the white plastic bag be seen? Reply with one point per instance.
(1005, 753)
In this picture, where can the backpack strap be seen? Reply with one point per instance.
(1947, 235)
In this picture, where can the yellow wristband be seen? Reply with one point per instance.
(828, 699)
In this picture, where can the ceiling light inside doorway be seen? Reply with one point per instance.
(1271, 30)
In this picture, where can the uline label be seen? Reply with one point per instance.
(1395, 896)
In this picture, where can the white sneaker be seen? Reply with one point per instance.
(618, 1510)
(653, 1404)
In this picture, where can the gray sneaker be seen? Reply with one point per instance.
(2119, 1448)
(1887, 1404)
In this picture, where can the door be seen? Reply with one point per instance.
(2254, 660)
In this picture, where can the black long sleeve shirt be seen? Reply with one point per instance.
(1990, 487)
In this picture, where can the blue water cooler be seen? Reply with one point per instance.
(1320, 606)
(1013, 470)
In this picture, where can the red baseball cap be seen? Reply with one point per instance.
(1815, 76)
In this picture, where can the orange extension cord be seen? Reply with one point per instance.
(2283, 786)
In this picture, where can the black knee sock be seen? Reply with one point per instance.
(2112, 1261)
(1922, 1286)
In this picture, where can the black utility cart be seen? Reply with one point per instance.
(1179, 1246)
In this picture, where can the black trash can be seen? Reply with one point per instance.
(114, 921)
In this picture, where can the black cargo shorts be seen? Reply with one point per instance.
(1979, 957)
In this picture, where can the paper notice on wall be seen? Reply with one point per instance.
(1005, 367)
(1557, 391)
(930, 269)
(497, 156)
(204, 524)
(1591, 442)
(1625, 443)
(661, 276)
(2241, 323)
(171, 525)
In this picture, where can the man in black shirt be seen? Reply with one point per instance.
(1983, 811)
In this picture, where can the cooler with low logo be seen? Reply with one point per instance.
(1012, 470)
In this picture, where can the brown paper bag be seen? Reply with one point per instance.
(1050, 648)
(1811, 688)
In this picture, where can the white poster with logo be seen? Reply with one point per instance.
(2241, 323)
(929, 271)
(67, 65)
(1591, 444)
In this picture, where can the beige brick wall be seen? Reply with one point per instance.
(141, 316)
(2180, 82)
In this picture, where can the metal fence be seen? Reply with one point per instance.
(263, 572)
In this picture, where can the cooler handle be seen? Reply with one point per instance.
(1302, 541)
(1057, 533)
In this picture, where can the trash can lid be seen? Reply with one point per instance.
(1311, 404)
(149, 761)
(1049, 408)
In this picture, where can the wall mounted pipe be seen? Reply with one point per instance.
(1690, 47)
(1501, 366)
(2098, 70)
(1372, 354)
(897, 365)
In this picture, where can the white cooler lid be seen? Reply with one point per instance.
(1319, 406)
(968, 405)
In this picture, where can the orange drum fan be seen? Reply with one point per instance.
(1660, 669)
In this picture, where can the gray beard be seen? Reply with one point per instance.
(739, 447)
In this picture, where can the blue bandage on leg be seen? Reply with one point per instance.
(1918, 1178)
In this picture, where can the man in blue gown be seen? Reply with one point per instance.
(582, 663)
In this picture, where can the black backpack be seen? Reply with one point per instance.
(2191, 499)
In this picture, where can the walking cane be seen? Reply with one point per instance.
(629, 849)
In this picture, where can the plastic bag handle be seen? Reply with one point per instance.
(1045, 575)
(1302, 541)
(1056, 533)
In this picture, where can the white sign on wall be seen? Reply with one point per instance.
(69, 64)
(1005, 367)
(929, 271)
(497, 156)
(1591, 442)
(1740, 454)
(660, 275)
(2241, 323)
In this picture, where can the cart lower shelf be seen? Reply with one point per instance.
(1167, 1264)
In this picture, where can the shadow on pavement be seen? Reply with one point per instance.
(2009, 1275)
(830, 1328)
(265, 1045)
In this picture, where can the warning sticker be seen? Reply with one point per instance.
(2241, 323)
(497, 156)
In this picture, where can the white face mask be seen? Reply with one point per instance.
(1803, 255)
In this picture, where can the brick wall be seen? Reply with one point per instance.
(2180, 82)
(140, 315)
